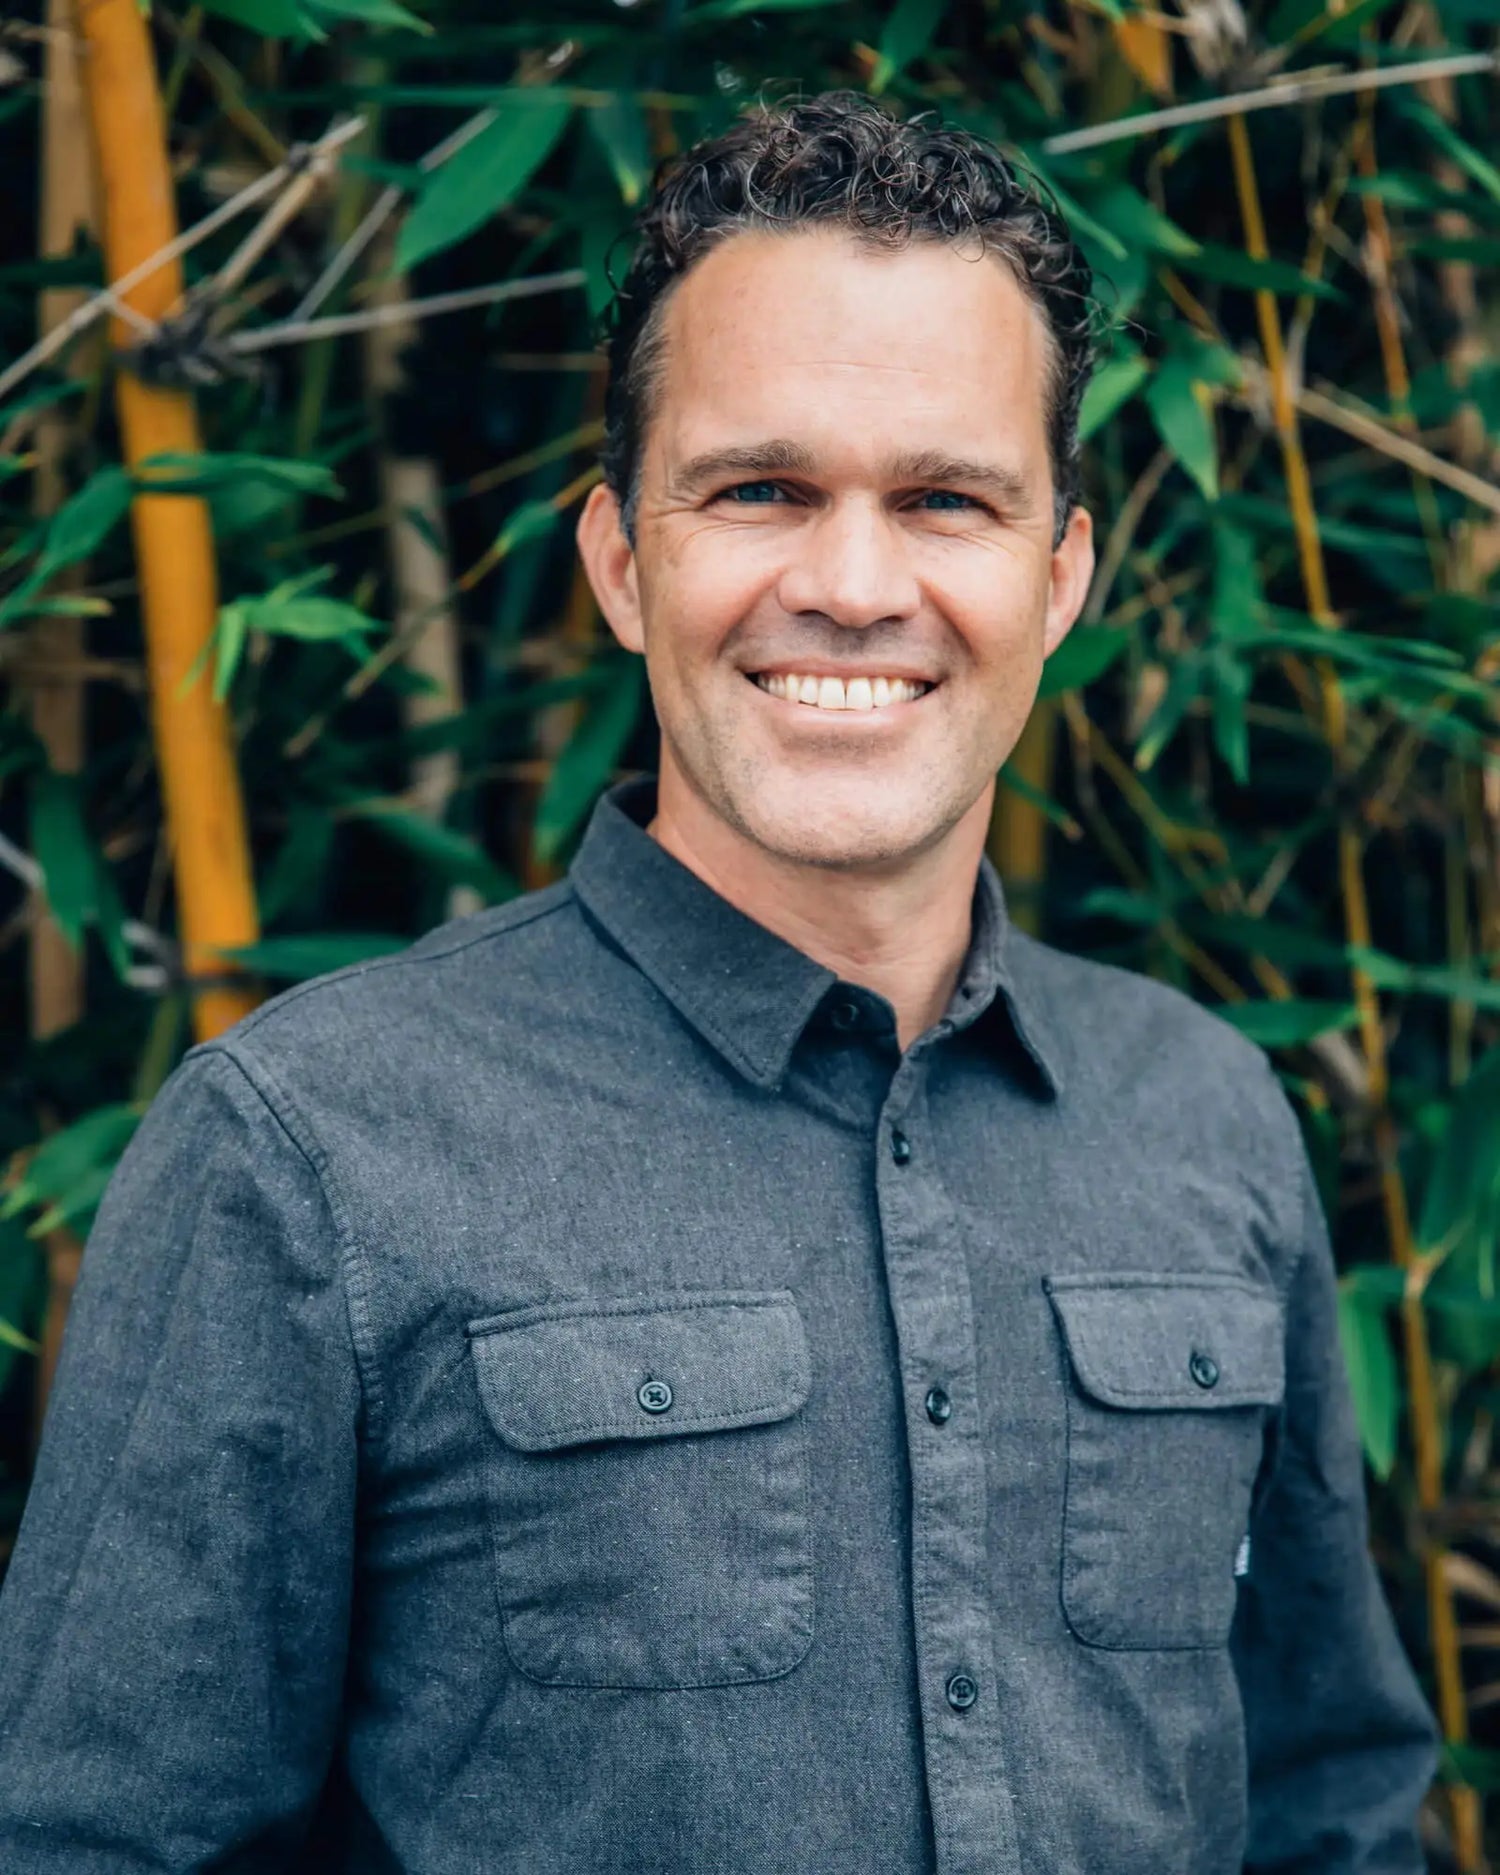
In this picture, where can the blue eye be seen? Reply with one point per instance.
(949, 496)
(753, 493)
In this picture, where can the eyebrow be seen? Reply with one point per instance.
(933, 467)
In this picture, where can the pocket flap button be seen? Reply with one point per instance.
(654, 1395)
(1204, 1369)
(939, 1405)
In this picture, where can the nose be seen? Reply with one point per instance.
(851, 565)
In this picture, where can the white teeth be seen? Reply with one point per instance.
(835, 693)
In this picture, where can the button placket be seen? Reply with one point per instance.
(928, 1281)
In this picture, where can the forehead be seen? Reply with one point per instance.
(817, 334)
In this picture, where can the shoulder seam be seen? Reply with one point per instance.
(249, 1023)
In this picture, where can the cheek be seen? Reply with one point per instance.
(997, 610)
(709, 583)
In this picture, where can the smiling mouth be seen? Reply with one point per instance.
(839, 693)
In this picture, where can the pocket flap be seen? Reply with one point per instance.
(641, 1368)
(1154, 1340)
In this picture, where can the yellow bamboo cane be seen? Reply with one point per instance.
(200, 785)
(1424, 1412)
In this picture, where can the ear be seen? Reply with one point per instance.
(609, 561)
(1072, 574)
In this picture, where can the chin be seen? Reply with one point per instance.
(841, 836)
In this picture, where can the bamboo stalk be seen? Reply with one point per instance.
(1422, 1397)
(204, 809)
(58, 645)
(424, 616)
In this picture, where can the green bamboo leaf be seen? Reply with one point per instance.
(13, 1338)
(736, 9)
(1183, 424)
(175, 472)
(489, 172)
(1461, 1206)
(1386, 1284)
(41, 395)
(1230, 267)
(229, 640)
(314, 620)
(1288, 1022)
(530, 521)
(77, 1207)
(1478, 1766)
(62, 846)
(1373, 1378)
(1089, 231)
(1183, 688)
(1231, 693)
(1333, 530)
(1138, 223)
(589, 759)
(1237, 610)
(1140, 909)
(1449, 984)
(369, 12)
(1043, 803)
(23, 1288)
(1447, 139)
(313, 954)
(82, 523)
(907, 33)
(597, 234)
(452, 855)
(1084, 656)
(273, 19)
(618, 126)
(68, 1156)
(61, 605)
(1111, 387)
(297, 874)
(1483, 250)
(1309, 20)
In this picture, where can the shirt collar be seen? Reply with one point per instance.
(747, 991)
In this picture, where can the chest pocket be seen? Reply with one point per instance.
(1170, 1383)
(648, 1488)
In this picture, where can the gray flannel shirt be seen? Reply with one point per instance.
(574, 1398)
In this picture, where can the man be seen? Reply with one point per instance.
(741, 1361)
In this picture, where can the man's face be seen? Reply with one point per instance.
(845, 499)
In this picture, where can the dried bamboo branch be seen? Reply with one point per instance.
(1283, 91)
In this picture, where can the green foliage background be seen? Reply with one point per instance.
(1197, 785)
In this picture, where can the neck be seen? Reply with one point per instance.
(902, 932)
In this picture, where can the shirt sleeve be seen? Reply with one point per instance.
(173, 1623)
(1341, 1743)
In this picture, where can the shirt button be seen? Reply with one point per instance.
(961, 1691)
(900, 1146)
(1204, 1369)
(939, 1406)
(654, 1395)
(845, 1015)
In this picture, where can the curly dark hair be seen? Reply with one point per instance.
(841, 158)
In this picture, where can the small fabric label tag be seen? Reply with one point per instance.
(1242, 1557)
